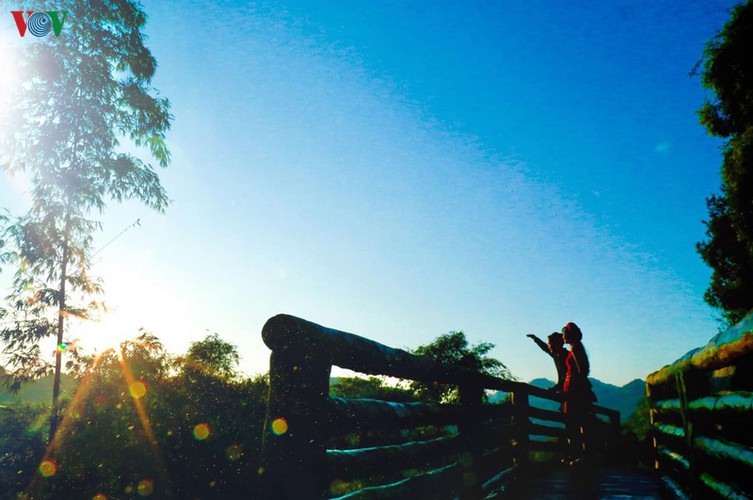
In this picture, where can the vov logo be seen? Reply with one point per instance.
(39, 23)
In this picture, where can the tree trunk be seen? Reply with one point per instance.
(55, 416)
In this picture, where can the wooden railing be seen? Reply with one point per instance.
(467, 450)
(701, 409)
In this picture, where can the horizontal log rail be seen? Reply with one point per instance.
(546, 430)
(723, 450)
(737, 402)
(701, 408)
(550, 415)
(351, 415)
(376, 460)
(452, 450)
(725, 349)
(674, 458)
(444, 482)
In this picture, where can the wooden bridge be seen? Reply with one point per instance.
(318, 446)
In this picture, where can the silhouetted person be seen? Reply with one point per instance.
(556, 349)
(579, 395)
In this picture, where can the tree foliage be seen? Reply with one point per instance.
(212, 356)
(453, 349)
(370, 387)
(83, 93)
(139, 426)
(728, 73)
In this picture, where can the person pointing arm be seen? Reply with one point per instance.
(556, 349)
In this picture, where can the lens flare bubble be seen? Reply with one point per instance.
(145, 487)
(48, 468)
(201, 432)
(138, 390)
(279, 426)
(234, 452)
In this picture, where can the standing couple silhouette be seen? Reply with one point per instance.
(572, 381)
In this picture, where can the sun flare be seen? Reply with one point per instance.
(133, 302)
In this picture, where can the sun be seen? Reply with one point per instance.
(103, 333)
(134, 301)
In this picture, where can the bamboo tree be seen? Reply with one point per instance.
(84, 97)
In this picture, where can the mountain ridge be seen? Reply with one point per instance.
(624, 398)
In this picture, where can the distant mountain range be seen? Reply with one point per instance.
(624, 399)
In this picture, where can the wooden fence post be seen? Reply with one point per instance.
(471, 399)
(521, 421)
(652, 428)
(293, 464)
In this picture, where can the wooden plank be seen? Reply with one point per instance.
(722, 350)
(662, 389)
(541, 414)
(667, 405)
(538, 392)
(665, 417)
(545, 430)
(368, 462)
(301, 338)
(671, 431)
(719, 449)
(358, 415)
(446, 482)
(721, 488)
(674, 458)
(736, 402)
(582, 481)
(671, 485)
(500, 480)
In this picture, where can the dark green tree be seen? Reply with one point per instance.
(212, 356)
(453, 349)
(22, 444)
(82, 94)
(728, 74)
(370, 387)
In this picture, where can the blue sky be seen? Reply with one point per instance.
(402, 169)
